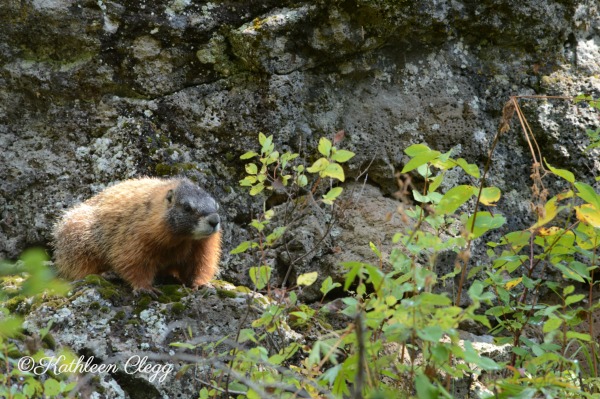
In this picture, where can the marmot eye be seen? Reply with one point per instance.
(187, 207)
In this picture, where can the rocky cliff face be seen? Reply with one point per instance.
(97, 91)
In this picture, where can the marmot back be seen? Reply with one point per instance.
(141, 228)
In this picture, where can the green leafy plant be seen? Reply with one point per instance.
(30, 277)
(400, 335)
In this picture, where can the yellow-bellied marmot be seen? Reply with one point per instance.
(139, 229)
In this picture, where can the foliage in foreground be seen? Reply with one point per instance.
(35, 280)
(401, 336)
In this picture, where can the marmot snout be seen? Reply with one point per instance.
(139, 229)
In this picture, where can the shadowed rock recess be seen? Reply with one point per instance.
(93, 92)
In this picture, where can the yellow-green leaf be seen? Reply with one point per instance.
(257, 189)
(324, 147)
(261, 138)
(302, 180)
(248, 181)
(454, 198)
(342, 155)
(588, 214)
(550, 212)
(260, 276)
(571, 299)
(415, 149)
(319, 165)
(332, 195)
(251, 169)
(335, 171)
(484, 222)
(565, 174)
(248, 155)
(307, 278)
(435, 183)
(375, 249)
(588, 194)
(420, 159)
(241, 248)
(469, 168)
(552, 324)
(267, 145)
(489, 195)
(578, 336)
(51, 387)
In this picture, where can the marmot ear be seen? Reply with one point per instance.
(170, 196)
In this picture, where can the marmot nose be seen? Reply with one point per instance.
(213, 220)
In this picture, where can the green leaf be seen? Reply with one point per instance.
(581, 269)
(248, 181)
(568, 290)
(430, 333)
(355, 268)
(420, 159)
(516, 239)
(425, 389)
(260, 276)
(324, 147)
(302, 180)
(333, 170)
(375, 249)
(241, 248)
(472, 356)
(257, 189)
(307, 279)
(10, 326)
(248, 155)
(571, 299)
(275, 235)
(454, 198)
(251, 169)
(582, 97)
(332, 195)
(565, 174)
(272, 158)
(552, 324)
(484, 222)
(328, 285)
(578, 336)
(319, 165)
(51, 387)
(261, 139)
(469, 168)
(342, 156)
(588, 194)
(267, 146)
(428, 298)
(331, 375)
(425, 171)
(568, 273)
(420, 198)
(435, 183)
(375, 275)
(415, 149)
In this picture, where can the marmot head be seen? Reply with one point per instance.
(191, 211)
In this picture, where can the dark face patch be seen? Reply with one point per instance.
(189, 206)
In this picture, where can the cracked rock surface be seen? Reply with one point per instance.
(92, 92)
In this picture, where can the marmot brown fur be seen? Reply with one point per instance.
(139, 229)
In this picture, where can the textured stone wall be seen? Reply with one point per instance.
(92, 92)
